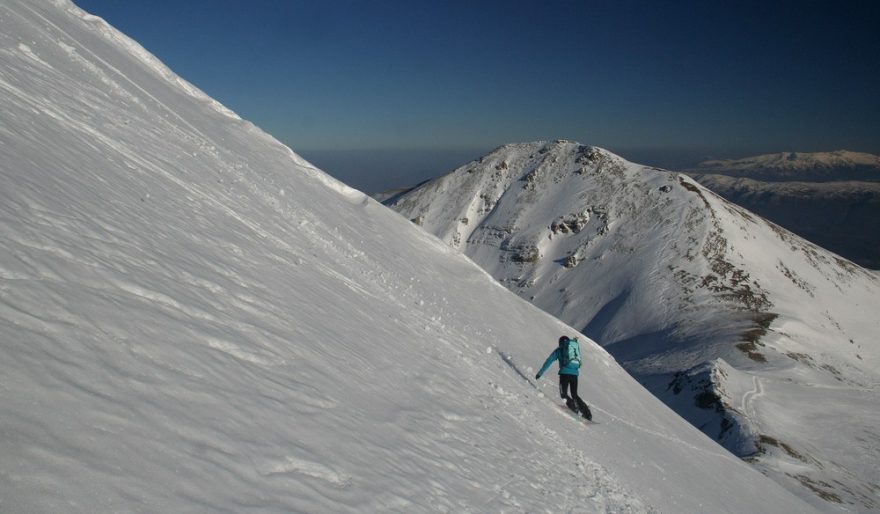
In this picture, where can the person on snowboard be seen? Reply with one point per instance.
(569, 356)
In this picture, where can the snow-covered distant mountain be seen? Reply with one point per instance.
(829, 198)
(799, 166)
(194, 319)
(843, 217)
(764, 341)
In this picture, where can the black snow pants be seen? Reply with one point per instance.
(570, 383)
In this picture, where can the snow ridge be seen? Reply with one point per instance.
(100, 26)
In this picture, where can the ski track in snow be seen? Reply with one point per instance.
(746, 405)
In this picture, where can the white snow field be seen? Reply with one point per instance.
(194, 319)
(764, 341)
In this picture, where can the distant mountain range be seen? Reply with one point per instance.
(799, 166)
(829, 198)
(764, 341)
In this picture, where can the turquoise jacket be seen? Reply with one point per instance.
(567, 370)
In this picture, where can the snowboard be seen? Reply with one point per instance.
(577, 415)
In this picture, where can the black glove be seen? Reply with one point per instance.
(538, 376)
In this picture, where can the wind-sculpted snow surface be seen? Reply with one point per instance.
(764, 341)
(194, 319)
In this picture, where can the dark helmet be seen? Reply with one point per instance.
(563, 339)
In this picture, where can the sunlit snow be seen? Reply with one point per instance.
(194, 319)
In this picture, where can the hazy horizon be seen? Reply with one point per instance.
(376, 170)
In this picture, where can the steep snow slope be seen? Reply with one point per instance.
(761, 339)
(843, 217)
(193, 319)
(800, 166)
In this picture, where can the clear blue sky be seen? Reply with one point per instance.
(415, 84)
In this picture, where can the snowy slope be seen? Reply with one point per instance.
(194, 319)
(802, 166)
(763, 340)
(843, 217)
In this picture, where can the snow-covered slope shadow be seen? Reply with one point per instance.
(194, 319)
(749, 332)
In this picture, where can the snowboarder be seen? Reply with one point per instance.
(569, 356)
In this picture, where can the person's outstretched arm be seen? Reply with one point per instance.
(549, 362)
